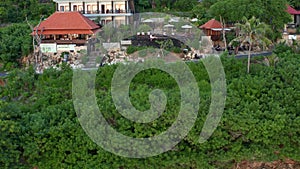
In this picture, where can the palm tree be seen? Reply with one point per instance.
(252, 31)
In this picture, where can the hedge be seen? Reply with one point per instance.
(261, 120)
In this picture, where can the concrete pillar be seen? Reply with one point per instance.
(83, 7)
(285, 28)
(113, 21)
(127, 6)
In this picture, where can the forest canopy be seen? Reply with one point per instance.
(12, 11)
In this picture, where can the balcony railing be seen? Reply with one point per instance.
(117, 11)
(73, 41)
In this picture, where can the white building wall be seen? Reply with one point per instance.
(90, 7)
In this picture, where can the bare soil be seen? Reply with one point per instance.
(279, 164)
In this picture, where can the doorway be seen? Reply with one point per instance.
(102, 8)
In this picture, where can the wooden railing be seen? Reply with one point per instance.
(73, 41)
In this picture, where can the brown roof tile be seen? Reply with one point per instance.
(64, 21)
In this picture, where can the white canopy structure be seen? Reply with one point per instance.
(187, 27)
(220, 29)
(194, 20)
(168, 26)
(173, 20)
(147, 21)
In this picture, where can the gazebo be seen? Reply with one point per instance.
(295, 15)
(66, 28)
(211, 28)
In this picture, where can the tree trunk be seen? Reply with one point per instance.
(131, 6)
(249, 58)
(153, 4)
(223, 31)
(36, 41)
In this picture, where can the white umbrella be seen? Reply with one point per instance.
(186, 27)
(148, 21)
(194, 20)
(173, 20)
(168, 26)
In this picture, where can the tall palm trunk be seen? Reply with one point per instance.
(131, 6)
(223, 32)
(249, 58)
(153, 4)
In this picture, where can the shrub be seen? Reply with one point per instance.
(261, 117)
(131, 49)
(176, 50)
(282, 47)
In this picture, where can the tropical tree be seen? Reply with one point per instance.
(271, 12)
(295, 3)
(252, 32)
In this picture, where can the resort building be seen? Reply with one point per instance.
(117, 11)
(290, 30)
(295, 16)
(65, 31)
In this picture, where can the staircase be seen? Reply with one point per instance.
(92, 62)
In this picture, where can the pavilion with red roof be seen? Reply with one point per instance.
(296, 15)
(66, 28)
(213, 28)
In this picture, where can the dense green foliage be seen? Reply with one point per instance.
(15, 42)
(253, 32)
(12, 11)
(39, 126)
(271, 12)
(164, 5)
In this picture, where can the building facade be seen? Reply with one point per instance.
(116, 11)
(64, 31)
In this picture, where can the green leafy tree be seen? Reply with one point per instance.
(15, 42)
(182, 6)
(252, 32)
(271, 12)
(294, 3)
(12, 11)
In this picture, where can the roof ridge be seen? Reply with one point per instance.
(85, 19)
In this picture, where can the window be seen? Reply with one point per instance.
(88, 7)
(94, 8)
(80, 8)
(75, 8)
(62, 8)
(67, 8)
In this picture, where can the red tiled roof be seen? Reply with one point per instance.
(292, 11)
(211, 24)
(63, 32)
(67, 22)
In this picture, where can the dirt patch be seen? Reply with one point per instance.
(279, 164)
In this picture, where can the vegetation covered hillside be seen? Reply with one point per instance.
(12, 11)
(261, 121)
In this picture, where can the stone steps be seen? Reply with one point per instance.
(92, 62)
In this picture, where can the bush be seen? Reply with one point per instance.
(131, 49)
(261, 117)
(176, 50)
(282, 47)
(15, 42)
